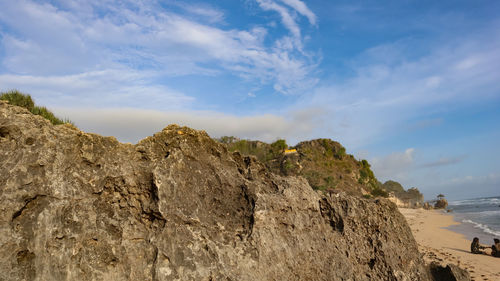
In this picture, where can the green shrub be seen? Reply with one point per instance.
(339, 154)
(330, 182)
(289, 165)
(279, 145)
(328, 147)
(366, 174)
(15, 97)
(379, 192)
(228, 139)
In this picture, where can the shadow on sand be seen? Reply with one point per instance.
(464, 251)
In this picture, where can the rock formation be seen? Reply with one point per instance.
(179, 206)
(448, 273)
(441, 204)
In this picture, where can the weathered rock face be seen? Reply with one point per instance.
(178, 206)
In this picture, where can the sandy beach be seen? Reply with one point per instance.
(445, 246)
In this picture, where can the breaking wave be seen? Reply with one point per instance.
(483, 227)
(479, 201)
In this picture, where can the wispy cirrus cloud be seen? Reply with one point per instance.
(79, 36)
(301, 8)
(444, 161)
(104, 88)
(289, 20)
(388, 92)
(203, 10)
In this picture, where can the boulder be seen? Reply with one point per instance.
(179, 206)
(449, 272)
(441, 204)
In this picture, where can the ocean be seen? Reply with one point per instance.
(479, 217)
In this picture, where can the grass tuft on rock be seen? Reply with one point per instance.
(14, 97)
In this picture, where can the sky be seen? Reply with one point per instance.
(411, 86)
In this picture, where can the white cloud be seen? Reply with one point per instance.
(466, 186)
(106, 88)
(394, 166)
(384, 97)
(211, 14)
(300, 7)
(468, 63)
(444, 161)
(54, 41)
(289, 20)
(286, 18)
(131, 124)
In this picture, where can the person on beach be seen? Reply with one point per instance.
(475, 247)
(495, 248)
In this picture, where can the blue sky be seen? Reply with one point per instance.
(412, 86)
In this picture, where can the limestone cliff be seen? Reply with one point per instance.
(179, 206)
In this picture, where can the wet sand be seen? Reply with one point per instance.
(445, 246)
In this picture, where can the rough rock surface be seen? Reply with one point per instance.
(449, 273)
(178, 206)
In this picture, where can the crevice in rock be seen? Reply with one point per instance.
(371, 264)
(154, 190)
(27, 202)
(29, 141)
(25, 260)
(153, 211)
(333, 218)
(250, 201)
(153, 267)
(4, 132)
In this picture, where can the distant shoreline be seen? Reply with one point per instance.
(431, 230)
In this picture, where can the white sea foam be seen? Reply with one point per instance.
(489, 213)
(479, 201)
(483, 227)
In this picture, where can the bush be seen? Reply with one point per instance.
(15, 97)
(228, 139)
(379, 192)
(330, 182)
(340, 153)
(279, 146)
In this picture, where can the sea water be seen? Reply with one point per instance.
(480, 218)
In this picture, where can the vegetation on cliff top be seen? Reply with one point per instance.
(410, 195)
(15, 97)
(323, 163)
